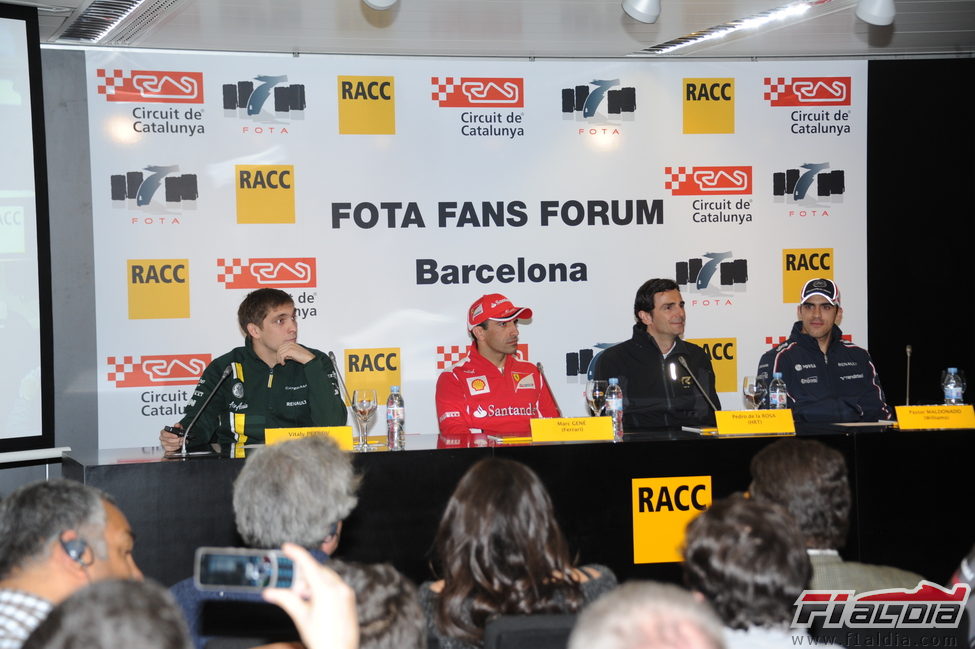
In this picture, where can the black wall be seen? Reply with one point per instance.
(920, 223)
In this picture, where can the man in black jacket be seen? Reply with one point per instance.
(657, 389)
(827, 378)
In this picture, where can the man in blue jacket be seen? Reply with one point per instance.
(827, 378)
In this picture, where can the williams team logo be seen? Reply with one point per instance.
(268, 272)
(713, 272)
(141, 186)
(927, 606)
(817, 181)
(156, 371)
(707, 181)
(478, 92)
(808, 91)
(150, 86)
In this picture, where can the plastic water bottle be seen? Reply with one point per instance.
(395, 416)
(954, 387)
(614, 407)
(777, 395)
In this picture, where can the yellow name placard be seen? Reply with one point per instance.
(566, 429)
(921, 417)
(755, 422)
(341, 434)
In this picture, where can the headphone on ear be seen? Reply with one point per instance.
(75, 549)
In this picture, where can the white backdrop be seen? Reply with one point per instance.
(165, 304)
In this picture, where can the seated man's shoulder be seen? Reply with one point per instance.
(861, 577)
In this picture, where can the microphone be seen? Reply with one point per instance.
(683, 362)
(344, 390)
(186, 435)
(907, 391)
(541, 373)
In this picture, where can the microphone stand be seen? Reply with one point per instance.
(541, 373)
(683, 362)
(907, 391)
(186, 435)
(344, 391)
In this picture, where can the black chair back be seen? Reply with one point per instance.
(529, 631)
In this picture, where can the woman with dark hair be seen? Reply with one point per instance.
(501, 552)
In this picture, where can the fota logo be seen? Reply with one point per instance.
(662, 509)
(709, 106)
(156, 371)
(927, 606)
(265, 193)
(724, 359)
(796, 183)
(251, 98)
(158, 288)
(367, 105)
(372, 368)
(151, 86)
(808, 91)
(799, 265)
(699, 273)
(267, 272)
(142, 187)
(587, 99)
(478, 92)
(705, 181)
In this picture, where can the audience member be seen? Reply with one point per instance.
(501, 552)
(56, 537)
(810, 481)
(296, 492)
(322, 606)
(747, 559)
(113, 614)
(387, 606)
(646, 615)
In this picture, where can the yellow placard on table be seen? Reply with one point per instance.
(341, 434)
(572, 429)
(755, 422)
(921, 417)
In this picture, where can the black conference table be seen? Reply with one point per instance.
(913, 495)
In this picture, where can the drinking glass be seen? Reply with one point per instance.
(596, 396)
(364, 407)
(753, 390)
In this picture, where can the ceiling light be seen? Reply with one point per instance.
(379, 5)
(646, 11)
(876, 12)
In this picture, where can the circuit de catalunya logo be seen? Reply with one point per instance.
(925, 607)
(292, 272)
(156, 371)
(161, 86)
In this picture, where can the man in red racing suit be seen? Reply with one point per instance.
(490, 391)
